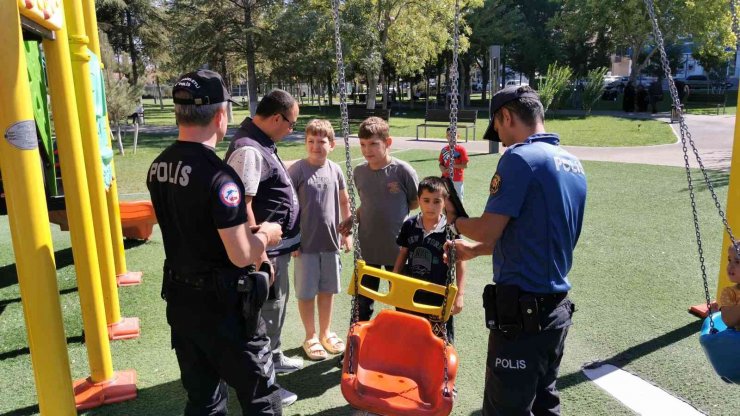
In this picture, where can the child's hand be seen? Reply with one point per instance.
(347, 243)
(457, 307)
(296, 253)
(345, 227)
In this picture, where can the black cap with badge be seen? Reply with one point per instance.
(499, 99)
(205, 87)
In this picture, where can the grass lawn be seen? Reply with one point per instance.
(635, 274)
(595, 130)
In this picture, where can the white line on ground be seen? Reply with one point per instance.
(637, 394)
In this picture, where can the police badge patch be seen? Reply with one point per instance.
(495, 184)
(229, 194)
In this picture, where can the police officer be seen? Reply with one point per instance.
(198, 200)
(270, 197)
(530, 225)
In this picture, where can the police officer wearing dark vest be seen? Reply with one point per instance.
(213, 297)
(530, 225)
(270, 197)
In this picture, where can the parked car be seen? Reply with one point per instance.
(703, 82)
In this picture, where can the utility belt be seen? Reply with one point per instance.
(513, 311)
(245, 289)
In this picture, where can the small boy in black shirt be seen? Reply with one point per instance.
(422, 239)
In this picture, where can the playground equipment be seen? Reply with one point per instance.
(378, 374)
(67, 64)
(720, 343)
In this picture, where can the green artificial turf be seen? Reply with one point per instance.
(635, 273)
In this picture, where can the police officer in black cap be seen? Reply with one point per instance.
(530, 225)
(213, 298)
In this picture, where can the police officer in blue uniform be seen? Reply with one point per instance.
(530, 225)
(212, 298)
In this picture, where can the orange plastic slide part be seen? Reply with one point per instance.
(398, 367)
(137, 219)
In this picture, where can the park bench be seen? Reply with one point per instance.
(719, 100)
(441, 118)
(357, 114)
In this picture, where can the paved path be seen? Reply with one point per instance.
(713, 136)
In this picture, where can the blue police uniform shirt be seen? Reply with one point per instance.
(542, 188)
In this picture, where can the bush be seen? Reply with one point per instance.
(554, 84)
(594, 88)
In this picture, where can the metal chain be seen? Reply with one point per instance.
(452, 143)
(357, 252)
(686, 138)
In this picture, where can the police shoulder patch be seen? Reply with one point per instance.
(495, 184)
(229, 194)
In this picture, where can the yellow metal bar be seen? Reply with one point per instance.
(114, 213)
(88, 127)
(29, 224)
(401, 290)
(733, 206)
(79, 212)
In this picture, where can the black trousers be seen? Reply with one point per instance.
(521, 373)
(213, 350)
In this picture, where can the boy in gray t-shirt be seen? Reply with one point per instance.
(387, 188)
(323, 197)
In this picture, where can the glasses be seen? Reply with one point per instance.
(291, 124)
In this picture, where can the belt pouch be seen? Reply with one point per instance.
(489, 306)
(529, 314)
(507, 310)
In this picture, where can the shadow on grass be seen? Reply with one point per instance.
(25, 351)
(9, 273)
(717, 178)
(313, 380)
(638, 351)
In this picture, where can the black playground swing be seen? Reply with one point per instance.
(720, 343)
(389, 366)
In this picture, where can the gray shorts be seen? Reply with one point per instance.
(317, 273)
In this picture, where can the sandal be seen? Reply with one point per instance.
(333, 344)
(314, 350)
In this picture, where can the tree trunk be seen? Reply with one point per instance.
(250, 52)
(384, 89)
(330, 89)
(132, 49)
(159, 93)
(136, 136)
(120, 141)
(485, 75)
(372, 87)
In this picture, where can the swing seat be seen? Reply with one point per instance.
(398, 369)
(722, 348)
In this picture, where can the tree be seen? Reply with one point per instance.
(135, 26)
(496, 23)
(593, 88)
(627, 25)
(399, 34)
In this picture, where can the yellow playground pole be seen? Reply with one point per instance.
(123, 276)
(29, 224)
(733, 206)
(118, 327)
(104, 385)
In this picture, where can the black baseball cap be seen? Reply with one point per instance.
(499, 99)
(205, 86)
